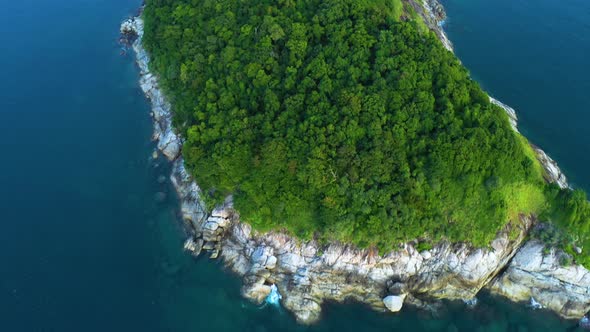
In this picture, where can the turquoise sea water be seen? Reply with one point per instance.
(86, 245)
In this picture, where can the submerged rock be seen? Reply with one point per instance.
(160, 197)
(471, 303)
(584, 323)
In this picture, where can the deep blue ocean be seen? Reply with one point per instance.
(87, 245)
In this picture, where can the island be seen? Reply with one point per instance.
(338, 149)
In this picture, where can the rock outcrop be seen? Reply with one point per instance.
(307, 273)
(510, 111)
(168, 142)
(535, 274)
(434, 15)
(553, 173)
(394, 303)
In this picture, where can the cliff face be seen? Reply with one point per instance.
(307, 273)
(536, 274)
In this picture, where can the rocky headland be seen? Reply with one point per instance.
(308, 273)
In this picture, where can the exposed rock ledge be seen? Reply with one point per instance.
(168, 142)
(307, 274)
(533, 274)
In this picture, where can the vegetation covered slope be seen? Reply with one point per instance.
(340, 119)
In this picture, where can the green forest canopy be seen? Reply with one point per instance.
(345, 120)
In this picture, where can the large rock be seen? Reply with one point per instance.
(256, 292)
(170, 145)
(394, 303)
(552, 171)
(193, 246)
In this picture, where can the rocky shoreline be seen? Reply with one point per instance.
(307, 274)
(433, 13)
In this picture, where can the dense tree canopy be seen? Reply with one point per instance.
(341, 119)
